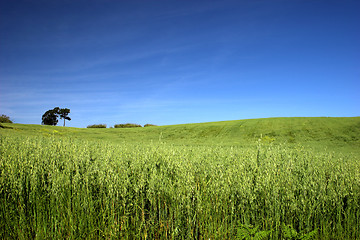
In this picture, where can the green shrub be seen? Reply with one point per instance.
(97, 126)
(246, 232)
(126, 125)
(149, 125)
(5, 119)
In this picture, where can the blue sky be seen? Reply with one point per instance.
(172, 62)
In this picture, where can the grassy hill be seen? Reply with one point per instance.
(189, 181)
(340, 133)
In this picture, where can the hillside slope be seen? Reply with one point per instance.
(316, 132)
(313, 131)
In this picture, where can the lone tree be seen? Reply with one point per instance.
(50, 117)
(63, 113)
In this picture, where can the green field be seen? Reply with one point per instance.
(339, 133)
(285, 178)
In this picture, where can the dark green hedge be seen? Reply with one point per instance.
(126, 125)
(97, 126)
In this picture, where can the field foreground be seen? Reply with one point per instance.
(64, 187)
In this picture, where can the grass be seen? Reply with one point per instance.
(193, 181)
(340, 134)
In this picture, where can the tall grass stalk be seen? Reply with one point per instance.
(65, 188)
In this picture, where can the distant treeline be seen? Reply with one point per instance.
(121, 125)
(97, 126)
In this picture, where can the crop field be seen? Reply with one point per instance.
(56, 185)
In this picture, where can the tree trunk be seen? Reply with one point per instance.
(64, 122)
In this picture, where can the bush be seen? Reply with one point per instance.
(149, 125)
(5, 119)
(97, 126)
(126, 125)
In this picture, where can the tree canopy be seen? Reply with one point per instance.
(63, 113)
(50, 117)
(5, 119)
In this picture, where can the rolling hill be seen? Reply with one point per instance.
(301, 174)
(318, 132)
